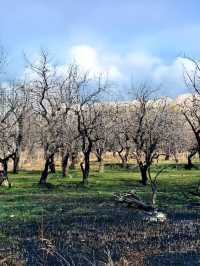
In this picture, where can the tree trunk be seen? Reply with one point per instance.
(126, 157)
(65, 160)
(5, 167)
(74, 161)
(16, 159)
(52, 166)
(98, 158)
(143, 171)
(123, 159)
(85, 167)
(4, 174)
(45, 172)
(190, 165)
(101, 166)
(167, 157)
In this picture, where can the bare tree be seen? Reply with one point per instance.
(175, 142)
(104, 132)
(69, 142)
(121, 132)
(190, 107)
(8, 124)
(19, 104)
(148, 124)
(154, 185)
(47, 108)
(88, 113)
(190, 110)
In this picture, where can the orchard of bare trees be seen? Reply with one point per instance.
(67, 116)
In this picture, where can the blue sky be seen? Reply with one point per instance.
(142, 40)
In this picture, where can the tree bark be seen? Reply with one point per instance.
(123, 159)
(16, 159)
(167, 157)
(5, 167)
(52, 166)
(143, 171)
(16, 156)
(98, 158)
(85, 167)
(190, 165)
(45, 172)
(65, 160)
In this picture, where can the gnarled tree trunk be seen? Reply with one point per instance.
(123, 154)
(65, 160)
(16, 159)
(5, 167)
(16, 155)
(123, 159)
(190, 165)
(99, 154)
(85, 167)
(143, 171)
(52, 166)
(45, 172)
(4, 173)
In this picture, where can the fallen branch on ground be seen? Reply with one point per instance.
(133, 200)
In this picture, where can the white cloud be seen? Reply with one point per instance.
(171, 76)
(86, 57)
(174, 70)
(140, 66)
(143, 60)
(95, 62)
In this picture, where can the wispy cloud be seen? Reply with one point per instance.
(136, 65)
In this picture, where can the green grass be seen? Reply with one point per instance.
(26, 201)
(83, 222)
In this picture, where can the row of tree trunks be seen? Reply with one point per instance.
(50, 166)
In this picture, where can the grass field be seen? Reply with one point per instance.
(67, 224)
